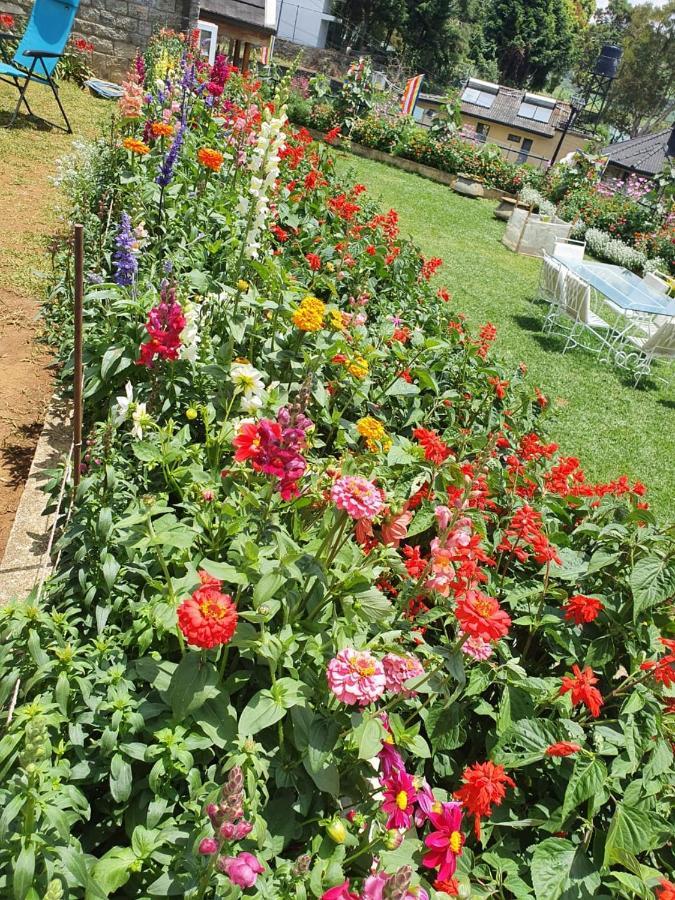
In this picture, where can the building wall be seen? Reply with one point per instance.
(117, 28)
(542, 146)
(303, 21)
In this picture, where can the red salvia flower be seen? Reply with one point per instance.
(481, 616)
(663, 670)
(582, 610)
(208, 618)
(314, 261)
(563, 748)
(666, 890)
(582, 690)
(435, 450)
(484, 787)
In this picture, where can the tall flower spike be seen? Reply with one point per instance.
(124, 257)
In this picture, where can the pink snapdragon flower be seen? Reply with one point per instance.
(339, 892)
(400, 794)
(356, 676)
(357, 496)
(398, 670)
(242, 870)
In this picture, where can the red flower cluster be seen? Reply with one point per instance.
(414, 562)
(484, 787)
(663, 670)
(499, 385)
(6, 21)
(429, 267)
(435, 450)
(563, 748)
(478, 496)
(482, 617)
(486, 337)
(331, 136)
(567, 478)
(343, 207)
(531, 447)
(666, 890)
(82, 45)
(525, 531)
(275, 449)
(165, 324)
(582, 610)
(582, 690)
(314, 261)
(208, 618)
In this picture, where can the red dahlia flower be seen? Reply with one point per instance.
(484, 787)
(563, 748)
(434, 449)
(208, 618)
(481, 616)
(582, 690)
(582, 609)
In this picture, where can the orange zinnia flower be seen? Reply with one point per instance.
(212, 159)
(135, 146)
(161, 129)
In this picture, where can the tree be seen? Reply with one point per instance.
(370, 23)
(643, 96)
(532, 40)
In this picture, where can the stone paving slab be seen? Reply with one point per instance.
(26, 557)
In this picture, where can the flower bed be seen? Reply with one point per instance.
(331, 618)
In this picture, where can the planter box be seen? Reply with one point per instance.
(529, 234)
(468, 187)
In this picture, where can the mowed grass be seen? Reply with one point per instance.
(596, 413)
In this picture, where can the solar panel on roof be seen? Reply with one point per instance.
(478, 98)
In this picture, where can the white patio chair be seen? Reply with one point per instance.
(581, 321)
(572, 250)
(660, 344)
(552, 289)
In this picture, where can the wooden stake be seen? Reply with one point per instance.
(77, 375)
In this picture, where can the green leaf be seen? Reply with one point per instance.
(550, 867)
(261, 711)
(267, 587)
(632, 830)
(588, 777)
(397, 456)
(652, 581)
(113, 870)
(193, 683)
(24, 870)
(224, 572)
(401, 388)
(120, 778)
(369, 735)
(372, 605)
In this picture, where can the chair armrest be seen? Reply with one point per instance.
(42, 54)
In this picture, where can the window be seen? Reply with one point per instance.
(478, 98)
(208, 40)
(525, 148)
(418, 113)
(482, 131)
(514, 138)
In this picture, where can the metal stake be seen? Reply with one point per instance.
(77, 385)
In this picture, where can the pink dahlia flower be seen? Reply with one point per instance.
(445, 842)
(357, 496)
(398, 670)
(356, 676)
(400, 794)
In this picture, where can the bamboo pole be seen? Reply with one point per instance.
(77, 375)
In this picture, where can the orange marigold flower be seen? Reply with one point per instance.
(208, 618)
(484, 787)
(161, 129)
(135, 146)
(211, 159)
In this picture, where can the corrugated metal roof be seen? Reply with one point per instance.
(645, 154)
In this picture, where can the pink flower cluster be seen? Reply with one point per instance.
(357, 496)
(356, 676)
(165, 324)
(229, 824)
(274, 448)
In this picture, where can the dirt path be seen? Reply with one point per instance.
(28, 155)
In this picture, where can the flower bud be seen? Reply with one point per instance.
(208, 846)
(393, 840)
(302, 864)
(242, 830)
(227, 831)
(191, 414)
(337, 831)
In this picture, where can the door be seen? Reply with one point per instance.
(208, 40)
(525, 148)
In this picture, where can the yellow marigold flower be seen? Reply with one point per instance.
(336, 319)
(374, 434)
(330, 266)
(210, 159)
(135, 146)
(309, 315)
(358, 367)
(242, 285)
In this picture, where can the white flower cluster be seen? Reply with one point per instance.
(189, 336)
(264, 165)
(532, 197)
(613, 250)
(127, 409)
(248, 382)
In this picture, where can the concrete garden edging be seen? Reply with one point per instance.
(27, 558)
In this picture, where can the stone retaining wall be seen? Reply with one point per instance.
(117, 28)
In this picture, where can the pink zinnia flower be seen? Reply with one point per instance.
(242, 870)
(445, 842)
(398, 670)
(356, 676)
(477, 648)
(357, 496)
(399, 799)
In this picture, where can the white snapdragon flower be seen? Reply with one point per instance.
(126, 408)
(189, 336)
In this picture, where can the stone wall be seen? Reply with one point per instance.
(117, 28)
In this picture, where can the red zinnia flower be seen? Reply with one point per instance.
(581, 687)
(208, 618)
(563, 748)
(481, 616)
(484, 787)
(582, 609)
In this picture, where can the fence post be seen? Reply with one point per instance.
(77, 375)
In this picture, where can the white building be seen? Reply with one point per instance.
(304, 21)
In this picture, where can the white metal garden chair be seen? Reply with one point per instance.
(550, 275)
(573, 318)
(638, 353)
(570, 249)
(657, 282)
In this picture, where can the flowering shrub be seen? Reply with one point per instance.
(286, 654)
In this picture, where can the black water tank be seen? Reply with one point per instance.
(670, 149)
(608, 61)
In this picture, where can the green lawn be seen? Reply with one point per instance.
(597, 414)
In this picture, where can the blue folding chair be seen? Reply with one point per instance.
(39, 50)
